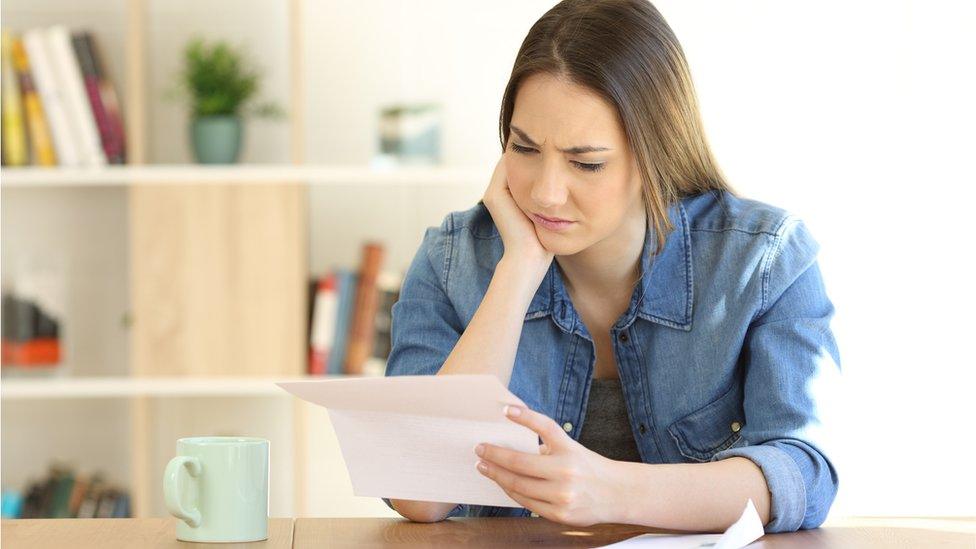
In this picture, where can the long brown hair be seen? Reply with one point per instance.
(625, 52)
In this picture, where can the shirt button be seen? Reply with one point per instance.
(736, 426)
(567, 426)
(643, 428)
(623, 337)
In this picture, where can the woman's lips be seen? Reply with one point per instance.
(552, 225)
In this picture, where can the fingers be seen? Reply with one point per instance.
(513, 460)
(540, 508)
(553, 436)
(537, 489)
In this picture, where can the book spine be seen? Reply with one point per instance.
(106, 503)
(14, 134)
(347, 295)
(62, 495)
(110, 100)
(362, 333)
(77, 495)
(323, 325)
(87, 67)
(52, 97)
(41, 146)
(89, 504)
(78, 108)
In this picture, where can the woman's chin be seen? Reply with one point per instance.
(557, 244)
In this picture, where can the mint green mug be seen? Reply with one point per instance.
(218, 488)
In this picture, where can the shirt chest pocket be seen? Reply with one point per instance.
(712, 428)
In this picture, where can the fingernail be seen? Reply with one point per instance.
(482, 467)
(513, 411)
(480, 449)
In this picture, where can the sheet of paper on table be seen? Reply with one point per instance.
(413, 437)
(746, 530)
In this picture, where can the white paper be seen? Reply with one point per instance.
(746, 530)
(413, 437)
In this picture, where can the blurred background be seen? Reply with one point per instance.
(174, 240)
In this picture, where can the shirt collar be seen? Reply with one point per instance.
(665, 293)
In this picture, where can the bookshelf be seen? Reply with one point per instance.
(148, 391)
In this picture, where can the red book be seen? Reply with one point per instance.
(102, 97)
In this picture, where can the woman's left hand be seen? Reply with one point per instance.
(565, 482)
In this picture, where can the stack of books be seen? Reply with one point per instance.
(60, 107)
(349, 315)
(31, 335)
(65, 494)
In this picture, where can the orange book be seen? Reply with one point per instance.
(362, 329)
(35, 352)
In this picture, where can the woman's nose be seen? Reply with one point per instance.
(549, 191)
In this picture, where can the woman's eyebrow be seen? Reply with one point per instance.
(571, 150)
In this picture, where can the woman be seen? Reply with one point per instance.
(670, 339)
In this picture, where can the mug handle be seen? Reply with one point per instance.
(193, 467)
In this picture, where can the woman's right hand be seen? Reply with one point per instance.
(518, 234)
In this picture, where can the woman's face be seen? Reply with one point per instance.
(596, 190)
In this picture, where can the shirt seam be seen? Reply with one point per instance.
(772, 252)
(732, 229)
(448, 250)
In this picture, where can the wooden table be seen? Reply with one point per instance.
(306, 533)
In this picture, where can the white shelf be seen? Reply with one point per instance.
(112, 387)
(246, 173)
(19, 388)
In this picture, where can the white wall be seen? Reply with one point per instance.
(858, 116)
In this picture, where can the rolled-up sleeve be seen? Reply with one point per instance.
(792, 377)
(424, 326)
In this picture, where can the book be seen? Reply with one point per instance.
(34, 501)
(60, 505)
(323, 325)
(39, 135)
(89, 503)
(347, 282)
(81, 119)
(52, 97)
(77, 495)
(122, 506)
(361, 329)
(12, 504)
(106, 503)
(101, 97)
(14, 132)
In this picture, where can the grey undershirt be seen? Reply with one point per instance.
(606, 427)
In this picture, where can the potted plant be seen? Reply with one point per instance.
(219, 83)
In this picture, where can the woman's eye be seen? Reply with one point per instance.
(581, 165)
(589, 167)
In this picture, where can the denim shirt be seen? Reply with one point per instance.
(725, 349)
